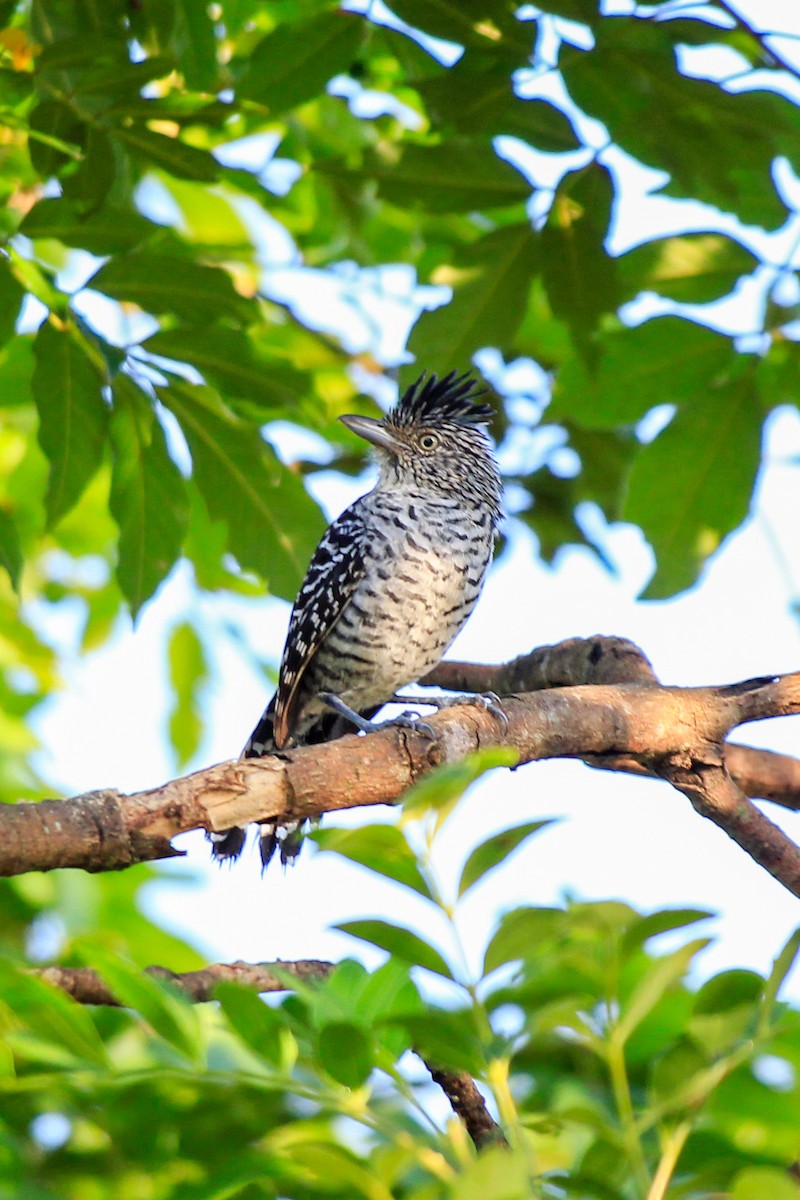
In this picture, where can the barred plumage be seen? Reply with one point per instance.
(393, 579)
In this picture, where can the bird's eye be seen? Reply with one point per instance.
(428, 441)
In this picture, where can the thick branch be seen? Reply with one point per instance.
(637, 726)
(87, 987)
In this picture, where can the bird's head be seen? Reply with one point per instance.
(434, 441)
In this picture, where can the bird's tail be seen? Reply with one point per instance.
(227, 844)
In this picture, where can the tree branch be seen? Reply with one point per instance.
(87, 987)
(595, 699)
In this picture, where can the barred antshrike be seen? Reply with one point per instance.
(392, 581)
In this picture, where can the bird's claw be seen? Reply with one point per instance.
(412, 720)
(490, 702)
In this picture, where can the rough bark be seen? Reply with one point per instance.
(595, 700)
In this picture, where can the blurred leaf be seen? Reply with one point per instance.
(446, 1039)
(101, 233)
(295, 62)
(169, 1015)
(73, 417)
(345, 1052)
(755, 1183)
(226, 357)
(381, 848)
(495, 850)
(148, 496)
(400, 942)
(500, 1174)
(169, 153)
(520, 932)
(11, 297)
(657, 923)
(781, 967)
(446, 784)
(61, 134)
(664, 973)
(710, 453)
(196, 45)
(273, 524)
(259, 1026)
(665, 361)
(694, 268)
(51, 1015)
(10, 549)
(161, 284)
(490, 279)
(188, 672)
(456, 176)
(579, 276)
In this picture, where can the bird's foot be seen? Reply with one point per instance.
(406, 720)
(489, 701)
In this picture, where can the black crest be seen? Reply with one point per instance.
(453, 398)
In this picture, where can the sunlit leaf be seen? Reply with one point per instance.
(381, 848)
(662, 974)
(446, 784)
(51, 1015)
(490, 279)
(188, 672)
(11, 297)
(345, 1052)
(160, 284)
(259, 1026)
(294, 62)
(400, 942)
(73, 416)
(148, 496)
(496, 849)
(710, 453)
(273, 525)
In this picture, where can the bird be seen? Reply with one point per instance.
(392, 581)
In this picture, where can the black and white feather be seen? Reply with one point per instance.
(393, 579)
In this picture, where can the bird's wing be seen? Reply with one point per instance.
(333, 575)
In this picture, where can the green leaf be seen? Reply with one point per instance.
(260, 1027)
(73, 417)
(519, 934)
(579, 276)
(477, 96)
(781, 967)
(495, 850)
(60, 137)
(657, 923)
(169, 1015)
(755, 1183)
(717, 145)
(148, 495)
(169, 153)
(663, 974)
(273, 524)
(456, 176)
(196, 45)
(11, 296)
(665, 361)
(188, 672)
(381, 848)
(710, 454)
(695, 268)
(49, 1014)
(296, 60)
(471, 24)
(490, 279)
(104, 232)
(446, 784)
(446, 1039)
(400, 942)
(227, 359)
(10, 549)
(346, 1053)
(158, 284)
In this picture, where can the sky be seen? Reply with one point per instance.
(616, 836)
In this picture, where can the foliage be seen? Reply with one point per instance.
(160, 160)
(614, 1075)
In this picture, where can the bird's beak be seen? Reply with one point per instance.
(373, 431)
